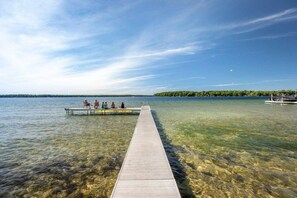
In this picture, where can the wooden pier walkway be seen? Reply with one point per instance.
(145, 171)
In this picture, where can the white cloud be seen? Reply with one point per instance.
(255, 24)
(250, 83)
(41, 51)
(167, 52)
(270, 37)
(45, 48)
(191, 78)
(271, 18)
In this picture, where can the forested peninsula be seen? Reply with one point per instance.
(223, 93)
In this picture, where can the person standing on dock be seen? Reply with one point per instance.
(112, 106)
(102, 105)
(122, 105)
(96, 104)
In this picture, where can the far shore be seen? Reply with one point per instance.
(219, 93)
(63, 96)
(223, 93)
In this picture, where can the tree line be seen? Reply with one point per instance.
(223, 93)
(56, 95)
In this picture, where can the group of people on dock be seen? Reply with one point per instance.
(104, 105)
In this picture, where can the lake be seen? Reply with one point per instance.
(217, 147)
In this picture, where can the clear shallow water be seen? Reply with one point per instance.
(45, 153)
(236, 148)
(218, 147)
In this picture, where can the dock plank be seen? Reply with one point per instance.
(145, 171)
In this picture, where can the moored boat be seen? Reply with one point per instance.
(283, 99)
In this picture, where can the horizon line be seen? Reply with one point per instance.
(127, 95)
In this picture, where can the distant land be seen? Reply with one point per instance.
(223, 93)
(168, 93)
(57, 95)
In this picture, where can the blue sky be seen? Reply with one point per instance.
(146, 46)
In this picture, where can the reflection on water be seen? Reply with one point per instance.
(217, 147)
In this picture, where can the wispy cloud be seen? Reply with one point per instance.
(167, 52)
(269, 37)
(250, 83)
(272, 18)
(256, 23)
(44, 48)
(82, 47)
(187, 50)
(191, 78)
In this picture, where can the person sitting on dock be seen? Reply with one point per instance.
(112, 106)
(122, 105)
(86, 103)
(105, 105)
(96, 104)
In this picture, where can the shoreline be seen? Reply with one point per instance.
(64, 96)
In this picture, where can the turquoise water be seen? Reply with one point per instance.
(217, 147)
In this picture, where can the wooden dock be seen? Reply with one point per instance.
(145, 171)
(100, 111)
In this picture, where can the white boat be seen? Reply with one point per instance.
(282, 99)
